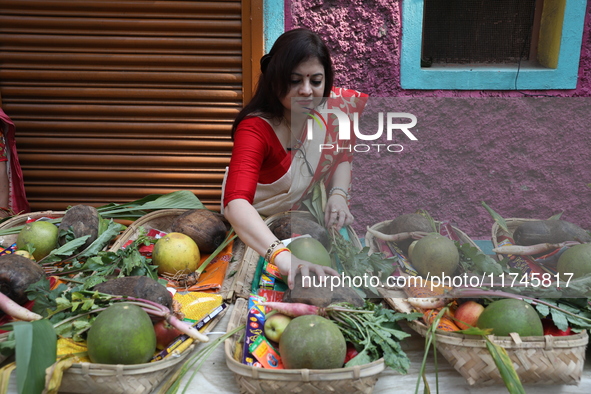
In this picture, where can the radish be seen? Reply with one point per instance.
(295, 309)
(531, 249)
(397, 237)
(15, 310)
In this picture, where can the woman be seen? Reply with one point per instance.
(283, 145)
(12, 191)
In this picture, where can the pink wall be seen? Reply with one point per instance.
(523, 171)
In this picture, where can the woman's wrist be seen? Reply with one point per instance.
(283, 262)
(340, 192)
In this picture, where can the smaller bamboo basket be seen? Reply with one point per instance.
(253, 380)
(20, 220)
(537, 360)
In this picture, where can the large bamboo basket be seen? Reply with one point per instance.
(249, 258)
(253, 380)
(361, 379)
(20, 220)
(537, 360)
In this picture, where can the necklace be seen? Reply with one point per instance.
(291, 145)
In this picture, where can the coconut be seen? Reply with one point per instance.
(203, 226)
(82, 220)
(408, 223)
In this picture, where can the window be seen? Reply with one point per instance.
(484, 45)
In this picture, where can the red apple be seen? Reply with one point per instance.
(274, 326)
(165, 334)
(467, 314)
(551, 329)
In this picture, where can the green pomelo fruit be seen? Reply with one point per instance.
(510, 315)
(41, 235)
(310, 249)
(575, 260)
(435, 255)
(121, 334)
(312, 342)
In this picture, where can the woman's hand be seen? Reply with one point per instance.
(289, 265)
(337, 212)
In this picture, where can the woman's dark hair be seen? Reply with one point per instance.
(290, 49)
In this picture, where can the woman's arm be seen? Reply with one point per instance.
(253, 231)
(337, 212)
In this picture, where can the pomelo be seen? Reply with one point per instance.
(175, 254)
(575, 260)
(312, 342)
(121, 334)
(435, 255)
(310, 249)
(510, 315)
(41, 235)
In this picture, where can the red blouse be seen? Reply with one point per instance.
(257, 157)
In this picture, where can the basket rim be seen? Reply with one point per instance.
(128, 369)
(532, 342)
(304, 375)
(18, 219)
(134, 227)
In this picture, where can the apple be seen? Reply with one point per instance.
(165, 334)
(551, 329)
(467, 314)
(275, 325)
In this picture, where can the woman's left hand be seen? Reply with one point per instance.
(337, 212)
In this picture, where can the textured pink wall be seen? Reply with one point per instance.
(525, 171)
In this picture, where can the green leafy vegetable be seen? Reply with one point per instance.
(376, 334)
(498, 218)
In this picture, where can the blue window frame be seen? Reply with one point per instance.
(559, 50)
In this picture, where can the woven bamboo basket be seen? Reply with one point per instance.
(249, 258)
(101, 378)
(20, 220)
(253, 380)
(537, 360)
(361, 379)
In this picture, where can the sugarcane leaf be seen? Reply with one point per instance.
(36, 348)
(505, 367)
(556, 216)
(497, 218)
(183, 199)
